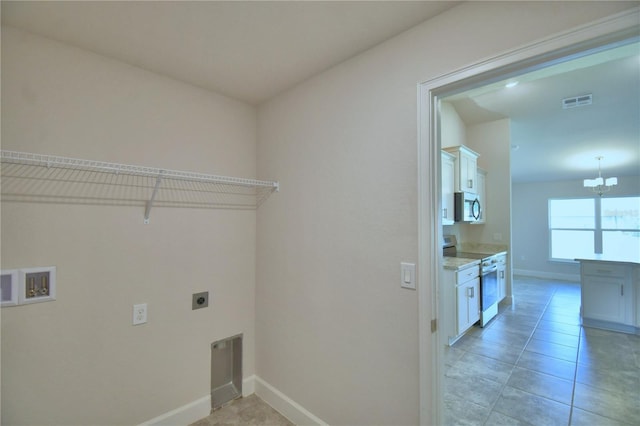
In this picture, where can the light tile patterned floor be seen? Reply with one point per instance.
(535, 365)
(250, 410)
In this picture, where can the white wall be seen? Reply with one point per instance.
(79, 360)
(334, 330)
(453, 131)
(531, 226)
(492, 141)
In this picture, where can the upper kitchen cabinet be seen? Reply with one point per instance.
(448, 187)
(466, 165)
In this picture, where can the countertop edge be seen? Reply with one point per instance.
(599, 259)
(459, 263)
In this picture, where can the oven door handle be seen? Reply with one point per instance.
(489, 269)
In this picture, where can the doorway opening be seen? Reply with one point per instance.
(584, 41)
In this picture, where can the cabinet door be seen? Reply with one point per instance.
(605, 299)
(468, 171)
(474, 303)
(468, 305)
(448, 182)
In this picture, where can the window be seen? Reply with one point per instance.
(583, 226)
(620, 219)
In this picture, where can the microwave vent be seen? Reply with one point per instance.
(577, 101)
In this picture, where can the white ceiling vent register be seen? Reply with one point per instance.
(577, 101)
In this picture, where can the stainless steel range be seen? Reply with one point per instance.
(488, 277)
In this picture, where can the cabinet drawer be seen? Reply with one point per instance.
(467, 274)
(603, 269)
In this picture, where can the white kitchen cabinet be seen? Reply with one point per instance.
(481, 195)
(448, 187)
(502, 277)
(461, 291)
(466, 168)
(468, 304)
(603, 299)
(608, 295)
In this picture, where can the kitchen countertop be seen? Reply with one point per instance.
(460, 263)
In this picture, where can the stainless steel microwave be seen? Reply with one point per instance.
(466, 207)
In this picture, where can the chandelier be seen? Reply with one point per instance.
(600, 185)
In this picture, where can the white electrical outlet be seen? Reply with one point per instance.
(139, 313)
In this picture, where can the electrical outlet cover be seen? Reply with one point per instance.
(139, 314)
(200, 300)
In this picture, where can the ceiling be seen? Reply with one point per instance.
(252, 51)
(552, 143)
(247, 50)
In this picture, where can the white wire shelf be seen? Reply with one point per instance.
(31, 177)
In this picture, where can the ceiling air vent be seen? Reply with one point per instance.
(577, 101)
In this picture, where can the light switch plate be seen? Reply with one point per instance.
(408, 275)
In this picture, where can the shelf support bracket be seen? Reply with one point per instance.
(147, 211)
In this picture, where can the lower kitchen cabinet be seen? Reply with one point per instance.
(461, 291)
(608, 292)
(604, 299)
(468, 305)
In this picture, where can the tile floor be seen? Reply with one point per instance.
(245, 411)
(534, 364)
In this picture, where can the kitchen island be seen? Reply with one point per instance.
(610, 293)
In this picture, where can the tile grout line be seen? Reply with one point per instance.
(575, 374)
(535, 327)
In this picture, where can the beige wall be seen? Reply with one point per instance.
(334, 330)
(79, 360)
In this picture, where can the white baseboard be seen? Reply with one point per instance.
(508, 300)
(185, 415)
(196, 410)
(293, 411)
(548, 275)
(249, 385)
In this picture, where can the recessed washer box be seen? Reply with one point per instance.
(37, 285)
